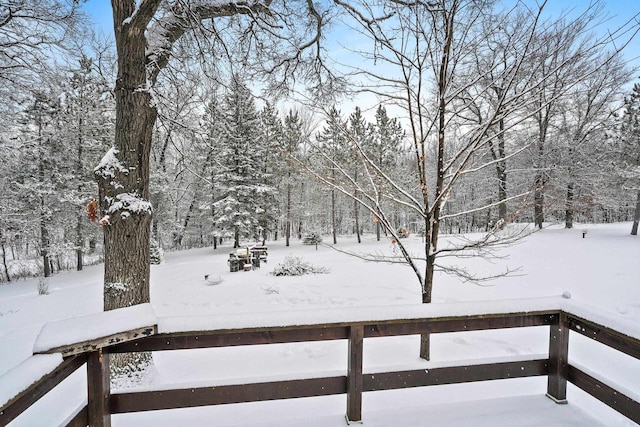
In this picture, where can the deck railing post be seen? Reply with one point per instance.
(98, 388)
(354, 374)
(558, 359)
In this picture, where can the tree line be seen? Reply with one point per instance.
(539, 126)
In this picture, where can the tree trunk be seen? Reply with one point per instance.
(501, 166)
(333, 216)
(44, 232)
(79, 256)
(4, 261)
(538, 201)
(123, 175)
(80, 217)
(540, 179)
(300, 228)
(236, 238)
(287, 231)
(185, 222)
(79, 241)
(636, 217)
(427, 290)
(44, 242)
(569, 206)
(356, 212)
(502, 190)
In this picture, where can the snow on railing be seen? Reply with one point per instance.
(91, 339)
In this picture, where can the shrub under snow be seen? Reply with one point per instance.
(296, 266)
(43, 286)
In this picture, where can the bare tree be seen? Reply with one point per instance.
(421, 60)
(587, 113)
(30, 30)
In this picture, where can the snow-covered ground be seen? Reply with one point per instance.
(601, 270)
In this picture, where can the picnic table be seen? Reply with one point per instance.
(247, 259)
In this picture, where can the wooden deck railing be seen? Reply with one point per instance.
(556, 367)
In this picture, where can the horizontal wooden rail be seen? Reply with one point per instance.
(326, 386)
(219, 395)
(327, 332)
(455, 375)
(605, 394)
(464, 324)
(184, 341)
(607, 336)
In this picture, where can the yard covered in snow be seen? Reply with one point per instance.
(600, 270)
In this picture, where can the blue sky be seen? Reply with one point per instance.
(618, 11)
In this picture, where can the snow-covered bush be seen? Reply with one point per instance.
(43, 286)
(312, 238)
(296, 266)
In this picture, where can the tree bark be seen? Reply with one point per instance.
(356, 213)
(80, 217)
(4, 259)
(636, 217)
(538, 201)
(501, 169)
(333, 216)
(123, 179)
(44, 231)
(123, 174)
(569, 206)
(287, 231)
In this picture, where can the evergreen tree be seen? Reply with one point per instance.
(271, 165)
(243, 183)
(85, 129)
(40, 170)
(384, 148)
(331, 142)
(628, 150)
(291, 146)
(360, 133)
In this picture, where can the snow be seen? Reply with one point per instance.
(354, 315)
(27, 373)
(110, 164)
(127, 203)
(97, 325)
(600, 272)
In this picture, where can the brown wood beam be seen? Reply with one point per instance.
(606, 394)
(475, 323)
(92, 345)
(558, 360)
(219, 395)
(81, 419)
(621, 342)
(354, 374)
(98, 389)
(454, 375)
(228, 339)
(20, 403)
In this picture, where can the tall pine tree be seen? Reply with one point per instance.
(629, 150)
(244, 186)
